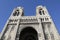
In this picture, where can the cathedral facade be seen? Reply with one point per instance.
(38, 27)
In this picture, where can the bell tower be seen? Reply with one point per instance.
(49, 28)
(12, 24)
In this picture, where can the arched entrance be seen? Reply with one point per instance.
(28, 33)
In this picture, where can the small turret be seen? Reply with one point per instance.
(41, 11)
(17, 12)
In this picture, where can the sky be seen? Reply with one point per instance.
(7, 6)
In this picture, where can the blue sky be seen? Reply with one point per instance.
(7, 6)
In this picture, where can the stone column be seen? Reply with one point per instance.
(46, 32)
(40, 31)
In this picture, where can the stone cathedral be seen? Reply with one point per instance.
(38, 27)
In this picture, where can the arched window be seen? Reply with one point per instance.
(41, 12)
(16, 13)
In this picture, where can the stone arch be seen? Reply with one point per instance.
(28, 33)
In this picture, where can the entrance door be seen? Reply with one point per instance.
(28, 33)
